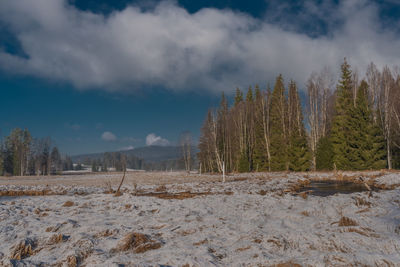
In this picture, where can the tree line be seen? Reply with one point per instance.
(354, 125)
(21, 154)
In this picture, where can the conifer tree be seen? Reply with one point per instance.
(342, 133)
(369, 140)
(298, 153)
(238, 96)
(278, 127)
(260, 153)
(324, 154)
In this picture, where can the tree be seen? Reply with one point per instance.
(369, 141)
(324, 154)
(298, 153)
(55, 159)
(341, 134)
(278, 127)
(186, 148)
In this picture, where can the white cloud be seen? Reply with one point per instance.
(154, 140)
(126, 148)
(108, 136)
(167, 46)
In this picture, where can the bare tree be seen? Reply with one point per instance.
(186, 147)
(319, 87)
(374, 82)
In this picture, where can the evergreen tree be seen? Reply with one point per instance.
(369, 140)
(298, 153)
(238, 96)
(342, 132)
(324, 154)
(259, 154)
(278, 127)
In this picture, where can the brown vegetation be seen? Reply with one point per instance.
(22, 250)
(345, 221)
(137, 242)
(68, 204)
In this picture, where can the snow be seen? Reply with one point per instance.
(261, 222)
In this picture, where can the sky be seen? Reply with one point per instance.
(111, 75)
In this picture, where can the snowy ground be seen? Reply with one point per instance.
(251, 220)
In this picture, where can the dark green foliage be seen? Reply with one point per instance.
(367, 138)
(260, 162)
(298, 153)
(244, 163)
(278, 127)
(324, 154)
(238, 96)
(342, 132)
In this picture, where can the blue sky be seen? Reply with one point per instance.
(104, 75)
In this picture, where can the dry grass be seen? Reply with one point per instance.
(137, 242)
(360, 201)
(305, 213)
(18, 193)
(257, 240)
(202, 242)
(181, 195)
(362, 231)
(287, 264)
(345, 221)
(161, 188)
(243, 249)
(57, 238)
(187, 232)
(72, 261)
(22, 250)
(68, 204)
(106, 233)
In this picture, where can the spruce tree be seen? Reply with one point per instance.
(342, 134)
(278, 127)
(369, 140)
(238, 96)
(298, 153)
(324, 154)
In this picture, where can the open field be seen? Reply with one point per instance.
(176, 219)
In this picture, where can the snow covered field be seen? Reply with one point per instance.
(175, 219)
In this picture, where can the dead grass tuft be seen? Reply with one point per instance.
(57, 238)
(287, 264)
(118, 194)
(257, 240)
(72, 261)
(18, 193)
(137, 242)
(360, 201)
(22, 250)
(305, 213)
(106, 233)
(68, 204)
(262, 192)
(243, 249)
(181, 195)
(187, 232)
(161, 188)
(345, 221)
(202, 242)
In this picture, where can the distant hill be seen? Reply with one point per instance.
(150, 154)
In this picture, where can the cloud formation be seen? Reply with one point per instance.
(154, 140)
(169, 47)
(109, 137)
